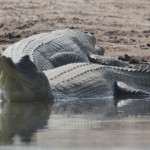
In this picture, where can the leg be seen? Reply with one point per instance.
(103, 60)
(100, 50)
(64, 58)
(106, 60)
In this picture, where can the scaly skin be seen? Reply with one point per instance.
(72, 81)
(60, 47)
(56, 48)
(22, 81)
(84, 80)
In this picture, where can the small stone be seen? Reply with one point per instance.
(132, 31)
(127, 57)
(148, 45)
(134, 60)
(1, 25)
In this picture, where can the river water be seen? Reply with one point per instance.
(76, 125)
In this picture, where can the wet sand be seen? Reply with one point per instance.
(121, 27)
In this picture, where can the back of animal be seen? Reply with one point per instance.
(42, 47)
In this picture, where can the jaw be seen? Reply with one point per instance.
(17, 85)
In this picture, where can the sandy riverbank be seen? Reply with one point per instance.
(119, 26)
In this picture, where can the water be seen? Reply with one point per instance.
(76, 125)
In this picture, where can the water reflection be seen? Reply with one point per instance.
(104, 107)
(25, 121)
(22, 120)
(133, 107)
(89, 114)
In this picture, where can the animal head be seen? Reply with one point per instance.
(22, 81)
(91, 37)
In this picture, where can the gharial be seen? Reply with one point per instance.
(22, 81)
(52, 49)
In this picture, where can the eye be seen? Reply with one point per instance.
(89, 33)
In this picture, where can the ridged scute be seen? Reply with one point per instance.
(42, 46)
(90, 80)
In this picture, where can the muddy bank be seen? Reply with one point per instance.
(122, 27)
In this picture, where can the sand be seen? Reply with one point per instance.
(121, 27)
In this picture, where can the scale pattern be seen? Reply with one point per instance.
(42, 46)
(91, 80)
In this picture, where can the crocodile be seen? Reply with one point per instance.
(52, 49)
(23, 81)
